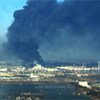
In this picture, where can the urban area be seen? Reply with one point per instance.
(87, 79)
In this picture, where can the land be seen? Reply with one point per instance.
(85, 79)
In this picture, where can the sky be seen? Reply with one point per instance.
(7, 7)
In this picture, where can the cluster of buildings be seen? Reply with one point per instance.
(80, 76)
(40, 73)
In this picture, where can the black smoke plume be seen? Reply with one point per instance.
(68, 30)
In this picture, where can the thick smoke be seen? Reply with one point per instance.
(67, 31)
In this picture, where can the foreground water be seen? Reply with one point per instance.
(48, 91)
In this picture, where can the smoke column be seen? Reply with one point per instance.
(67, 30)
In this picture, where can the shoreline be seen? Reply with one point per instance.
(31, 82)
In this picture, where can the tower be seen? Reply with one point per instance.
(98, 66)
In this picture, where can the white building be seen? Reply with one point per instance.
(84, 84)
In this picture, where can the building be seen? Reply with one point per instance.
(84, 84)
(98, 66)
